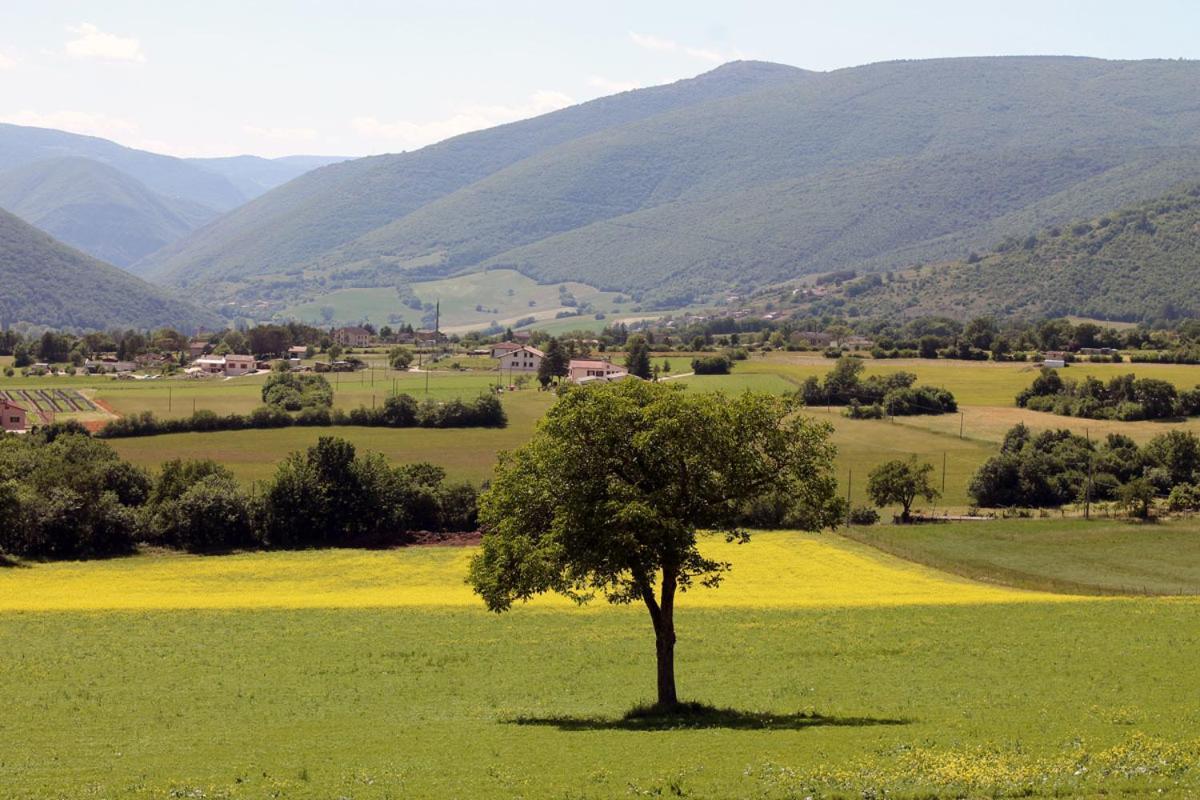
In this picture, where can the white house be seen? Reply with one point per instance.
(1054, 363)
(523, 359)
(227, 366)
(583, 370)
(500, 349)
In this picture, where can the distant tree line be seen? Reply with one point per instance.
(1124, 397)
(397, 411)
(1057, 467)
(65, 495)
(875, 396)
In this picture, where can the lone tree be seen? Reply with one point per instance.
(609, 495)
(901, 482)
(554, 363)
(637, 357)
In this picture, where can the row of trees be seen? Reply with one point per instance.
(1124, 397)
(1056, 467)
(67, 496)
(397, 411)
(892, 394)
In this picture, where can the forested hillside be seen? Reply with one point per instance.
(747, 175)
(44, 282)
(97, 209)
(1139, 263)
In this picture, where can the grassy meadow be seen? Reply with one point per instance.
(365, 675)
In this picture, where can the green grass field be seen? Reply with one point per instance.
(506, 296)
(365, 675)
(1103, 556)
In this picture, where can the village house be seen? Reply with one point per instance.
(13, 416)
(522, 359)
(499, 349)
(228, 366)
(585, 370)
(197, 348)
(297, 351)
(352, 337)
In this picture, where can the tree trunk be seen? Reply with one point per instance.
(662, 614)
(664, 646)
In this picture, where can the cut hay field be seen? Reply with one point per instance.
(372, 675)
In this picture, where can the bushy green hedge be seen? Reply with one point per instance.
(1126, 397)
(398, 411)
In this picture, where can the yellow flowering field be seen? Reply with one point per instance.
(775, 570)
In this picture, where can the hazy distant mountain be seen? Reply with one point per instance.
(166, 175)
(253, 175)
(97, 209)
(325, 209)
(1137, 263)
(42, 281)
(747, 175)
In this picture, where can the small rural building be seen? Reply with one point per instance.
(523, 359)
(1054, 363)
(240, 365)
(228, 366)
(580, 370)
(13, 416)
(297, 351)
(523, 336)
(197, 348)
(352, 337)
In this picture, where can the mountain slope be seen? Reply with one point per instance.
(253, 175)
(747, 175)
(97, 209)
(327, 208)
(166, 175)
(44, 282)
(1137, 263)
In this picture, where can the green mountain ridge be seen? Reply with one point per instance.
(746, 176)
(1140, 262)
(44, 282)
(97, 209)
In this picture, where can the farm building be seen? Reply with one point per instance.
(583, 370)
(1054, 363)
(523, 359)
(14, 417)
(352, 337)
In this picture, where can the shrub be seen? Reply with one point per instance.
(212, 515)
(1184, 497)
(711, 365)
(863, 515)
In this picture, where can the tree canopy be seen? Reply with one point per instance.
(611, 493)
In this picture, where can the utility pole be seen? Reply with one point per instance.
(849, 486)
(1087, 494)
(960, 424)
(168, 399)
(943, 473)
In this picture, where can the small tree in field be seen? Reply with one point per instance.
(609, 495)
(901, 482)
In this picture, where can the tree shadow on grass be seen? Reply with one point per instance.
(699, 716)
(5, 561)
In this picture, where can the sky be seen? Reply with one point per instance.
(358, 77)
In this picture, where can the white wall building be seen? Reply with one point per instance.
(523, 359)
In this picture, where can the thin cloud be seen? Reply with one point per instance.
(82, 122)
(657, 43)
(407, 135)
(282, 134)
(7, 62)
(91, 42)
